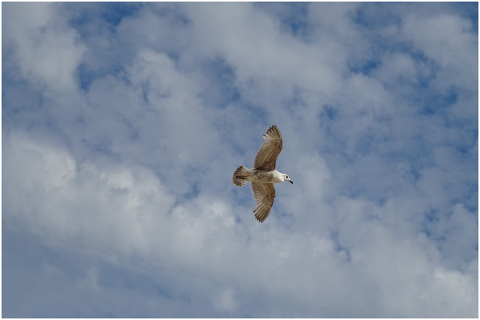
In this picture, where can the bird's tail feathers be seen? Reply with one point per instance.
(240, 176)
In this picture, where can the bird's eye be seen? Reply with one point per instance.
(286, 177)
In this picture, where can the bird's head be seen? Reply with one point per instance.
(286, 178)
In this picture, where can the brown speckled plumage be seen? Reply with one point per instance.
(263, 175)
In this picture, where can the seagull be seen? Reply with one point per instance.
(263, 175)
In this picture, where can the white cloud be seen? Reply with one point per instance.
(46, 49)
(102, 208)
(120, 186)
(398, 67)
(448, 40)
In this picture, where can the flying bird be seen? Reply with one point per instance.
(263, 175)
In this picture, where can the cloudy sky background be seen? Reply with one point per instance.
(123, 124)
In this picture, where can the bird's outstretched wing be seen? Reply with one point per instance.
(267, 155)
(264, 194)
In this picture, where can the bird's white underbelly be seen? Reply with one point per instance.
(265, 176)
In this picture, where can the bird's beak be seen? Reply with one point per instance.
(291, 181)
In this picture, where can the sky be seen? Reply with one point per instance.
(122, 124)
